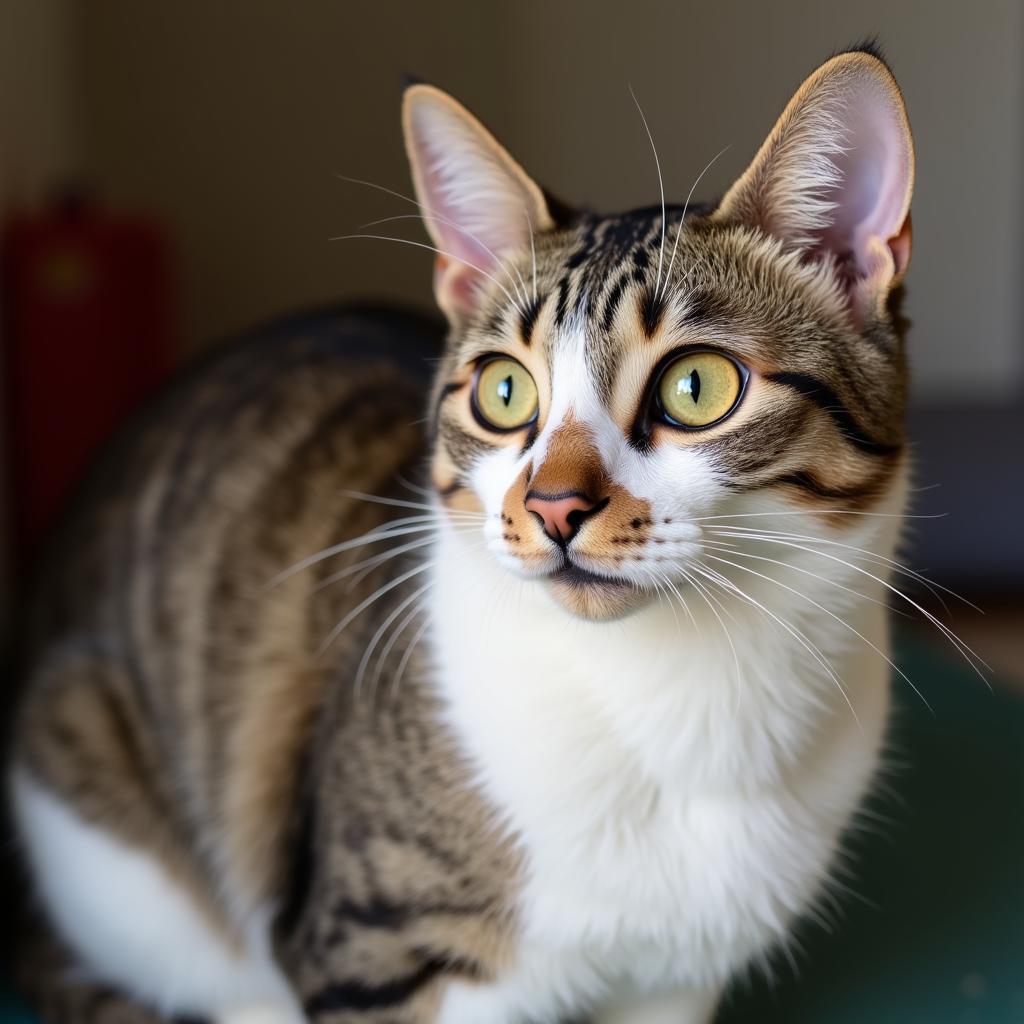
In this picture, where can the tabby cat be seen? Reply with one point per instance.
(573, 732)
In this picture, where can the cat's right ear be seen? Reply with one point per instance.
(478, 204)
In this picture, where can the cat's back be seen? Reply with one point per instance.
(234, 426)
(175, 673)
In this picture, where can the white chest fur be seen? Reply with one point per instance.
(678, 799)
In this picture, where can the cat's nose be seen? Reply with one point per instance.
(562, 515)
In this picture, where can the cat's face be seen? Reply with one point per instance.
(614, 384)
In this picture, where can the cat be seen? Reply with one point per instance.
(574, 732)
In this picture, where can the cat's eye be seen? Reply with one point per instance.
(504, 395)
(699, 389)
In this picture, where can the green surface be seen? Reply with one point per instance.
(935, 932)
(12, 1012)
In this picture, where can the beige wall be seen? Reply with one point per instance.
(38, 145)
(38, 141)
(231, 119)
(717, 74)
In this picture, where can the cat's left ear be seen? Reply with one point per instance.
(479, 205)
(835, 177)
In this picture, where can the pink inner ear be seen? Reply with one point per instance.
(477, 209)
(875, 169)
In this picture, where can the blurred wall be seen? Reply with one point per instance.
(37, 145)
(38, 139)
(232, 120)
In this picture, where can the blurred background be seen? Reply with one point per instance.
(171, 174)
(171, 171)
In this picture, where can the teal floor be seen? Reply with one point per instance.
(934, 932)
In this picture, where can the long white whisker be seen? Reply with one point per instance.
(660, 581)
(811, 648)
(415, 488)
(407, 656)
(412, 524)
(661, 186)
(734, 549)
(708, 598)
(519, 285)
(369, 564)
(820, 607)
(464, 529)
(682, 220)
(364, 661)
(874, 556)
(437, 216)
(533, 252)
(378, 499)
(817, 511)
(440, 252)
(959, 644)
(382, 658)
(363, 605)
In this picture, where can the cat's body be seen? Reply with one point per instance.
(479, 800)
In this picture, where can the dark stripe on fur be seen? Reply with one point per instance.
(612, 302)
(829, 402)
(562, 307)
(652, 309)
(529, 318)
(342, 996)
(808, 482)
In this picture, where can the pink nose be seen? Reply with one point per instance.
(561, 514)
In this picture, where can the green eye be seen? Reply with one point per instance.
(504, 395)
(700, 388)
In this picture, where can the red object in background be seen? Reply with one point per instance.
(87, 337)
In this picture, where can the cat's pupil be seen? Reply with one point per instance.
(505, 390)
(691, 385)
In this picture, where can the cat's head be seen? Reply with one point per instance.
(614, 383)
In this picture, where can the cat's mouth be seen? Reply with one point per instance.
(571, 574)
(591, 595)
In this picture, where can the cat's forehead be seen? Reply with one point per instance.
(640, 280)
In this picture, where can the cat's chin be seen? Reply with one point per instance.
(593, 597)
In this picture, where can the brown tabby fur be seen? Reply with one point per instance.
(224, 758)
(181, 703)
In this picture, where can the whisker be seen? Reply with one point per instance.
(682, 220)
(363, 605)
(735, 549)
(820, 511)
(728, 636)
(415, 488)
(417, 609)
(661, 186)
(357, 579)
(899, 567)
(369, 564)
(797, 635)
(660, 584)
(402, 503)
(533, 253)
(364, 661)
(378, 533)
(407, 657)
(440, 252)
(385, 531)
(842, 622)
(519, 286)
(437, 216)
(957, 643)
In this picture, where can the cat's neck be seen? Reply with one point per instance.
(705, 696)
